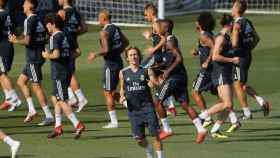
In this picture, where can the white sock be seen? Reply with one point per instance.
(31, 107)
(198, 125)
(246, 111)
(13, 94)
(58, 120)
(80, 95)
(165, 125)
(216, 127)
(149, 151)
(208, 118)
(170, 102)
(72, 117)
(260, 100)
(70, 93)
(203, 115)
(8, 140)
(232, 117)
(159, 154)
(113, 117)
(47, 112)
(7, 94)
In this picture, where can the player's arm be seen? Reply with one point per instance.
(54, 55)
(219, 42)
(161, 43)
(178, 58)
(125, 41)
(208, 42)
(104, 47)
(122, 93)
(26, 38)
(235, 35)
(153, 79)
(83, 28)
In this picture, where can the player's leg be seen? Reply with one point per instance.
(215, 130)
(260, 100)
(75, 86)
(110, 85)
(14, 145)
(22, 82)
(58, 128)
(171, 110)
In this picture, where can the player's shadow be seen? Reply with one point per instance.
(251, 140)
(261, 129)
(18, 156)
(107, 157)
(108, 136)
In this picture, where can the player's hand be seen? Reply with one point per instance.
(165, 75)
(12, 38)
(149, 51)
(147, 34)
(122, 99)
(236, 60)
(91, 57)
(45, 54)
(205, 65)
(194, 52)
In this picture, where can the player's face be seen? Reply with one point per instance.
(133, 57)
(100, 20)
(148, 16)
(26, 6)
(197, 27)
(49, 27)
(234, 10)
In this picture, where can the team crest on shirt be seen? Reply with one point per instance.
(142, 78)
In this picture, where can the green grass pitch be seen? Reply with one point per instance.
(257, 138)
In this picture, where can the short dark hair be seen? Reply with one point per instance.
(34, 3)
(242, 6)
(3, 3)
(169, 23)
(70, 1)
(54, 19)
(135, 48)
(151, 7)
(226, 19)
(206, 21)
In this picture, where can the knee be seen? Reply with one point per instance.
(20, 83)
(195, 93)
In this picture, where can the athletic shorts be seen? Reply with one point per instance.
(240, 72)
(203, 82)
(141, 120)
(60, 89)
(221, 79)
(110, 78)
(176, 87)
(33, 72)
(5, 64)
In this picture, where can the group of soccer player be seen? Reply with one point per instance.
(146, 86)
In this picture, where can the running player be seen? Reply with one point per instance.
(150, 13)
(205, 25)
(134, 90)
(223, 60)
(244, 40)
(34, 41)
(59, 54)
(74, 25)
(13, 144)
(113, 42)
(175, 80)
(6, 59)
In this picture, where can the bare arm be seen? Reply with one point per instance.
(104, 47)
(54, 55)
(122, 93)
(153, 78)
(161, 43)
(235, 35)
(208, 42)
(219, 42)
(25, 40)
(83, 28)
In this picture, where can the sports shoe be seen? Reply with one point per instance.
(5, 106)
(29, 117)
(14, 105)
(111, 125)
(57, 132)
(172, 111)
(14, 149)
(200, 137)
(244, 117)
(218, 134)
(206, 124)
(81, 105)
(46, 122)
(266, 108)
(163, 135)
(79, 130)
(234, 127)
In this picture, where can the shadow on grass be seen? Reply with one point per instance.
(251, 140)
(18, 156)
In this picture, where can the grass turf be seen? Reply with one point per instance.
(257, 138)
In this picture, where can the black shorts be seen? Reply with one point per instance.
(110, 78)
(5, 64)
(240, 72)
(60, 89)
(33, 72)
(141, 120)
(203, 82)
(219, 79)
(176, 87)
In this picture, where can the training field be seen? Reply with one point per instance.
(258, 138)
